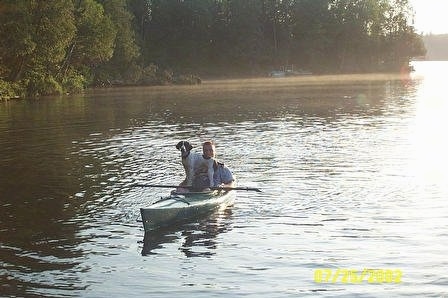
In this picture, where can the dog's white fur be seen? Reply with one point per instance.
(195, 163)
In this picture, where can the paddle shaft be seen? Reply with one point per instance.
(191, 187)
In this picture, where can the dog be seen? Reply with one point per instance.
(194, 163)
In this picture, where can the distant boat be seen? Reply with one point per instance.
(277, 74)
(289, 72)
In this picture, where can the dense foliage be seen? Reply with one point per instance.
(50, 47)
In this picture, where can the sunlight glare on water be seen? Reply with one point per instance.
(431, 110)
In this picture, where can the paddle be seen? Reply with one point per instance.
(191, 187)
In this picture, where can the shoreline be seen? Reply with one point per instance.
(249, 81)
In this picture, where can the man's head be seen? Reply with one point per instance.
(209, 149)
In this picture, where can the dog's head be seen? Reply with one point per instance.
(184, 147)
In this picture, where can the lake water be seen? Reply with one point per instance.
(353, 172)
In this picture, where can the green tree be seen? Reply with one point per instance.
(179, 33)
(349, 33)
(246, 34)
(401, 41)
(92, 45)
(124, 63)
(310, 40)
(33, 38)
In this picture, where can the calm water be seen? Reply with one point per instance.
(354, 174)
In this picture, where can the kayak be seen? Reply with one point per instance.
(183, 206)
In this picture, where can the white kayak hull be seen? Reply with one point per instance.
(181, 207)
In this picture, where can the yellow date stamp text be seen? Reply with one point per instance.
(354, 276)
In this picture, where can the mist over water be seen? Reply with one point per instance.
(353, 172)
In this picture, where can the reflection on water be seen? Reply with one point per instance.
(353, 173)
(197, 239)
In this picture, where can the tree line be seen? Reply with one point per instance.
(57, 46)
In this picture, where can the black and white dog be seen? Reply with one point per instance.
(194, 163)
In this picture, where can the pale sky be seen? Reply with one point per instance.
(431, 16)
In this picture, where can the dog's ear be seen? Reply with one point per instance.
(188, 146)
(179, 145)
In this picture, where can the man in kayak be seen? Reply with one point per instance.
(222, 176)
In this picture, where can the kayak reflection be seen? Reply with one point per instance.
(197, 239)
